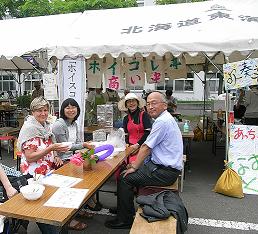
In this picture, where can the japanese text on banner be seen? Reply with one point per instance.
(243, 155)
(240, 74)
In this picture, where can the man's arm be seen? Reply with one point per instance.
(142, 154)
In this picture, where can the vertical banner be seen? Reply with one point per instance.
(72, 84)
(176, 68)
(113, 74)
(240, 74)
(155, 70)
(243, 155)
(134, 72)
(94, 73)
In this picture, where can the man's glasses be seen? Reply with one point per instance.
(148, 104)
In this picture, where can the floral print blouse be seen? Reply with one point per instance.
(42, 165)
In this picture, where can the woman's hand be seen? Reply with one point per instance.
(59, 147)
(88, 145)
(10, 191)
(58, 161)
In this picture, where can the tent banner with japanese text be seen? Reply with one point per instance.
(243, 155)
(113, 75)
(155, 70)
(176, 67)
(240, 74)
(94, 73)
(72, 84)
(134, 72)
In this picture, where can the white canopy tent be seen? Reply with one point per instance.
(210, 32)
(212, 26)
(209, 27)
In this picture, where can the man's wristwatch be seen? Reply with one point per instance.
(132, 166)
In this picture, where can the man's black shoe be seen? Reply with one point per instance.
(112, 210)
(116, 224)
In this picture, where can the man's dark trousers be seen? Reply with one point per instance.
(148, 174)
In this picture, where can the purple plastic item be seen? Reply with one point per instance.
(108, 148)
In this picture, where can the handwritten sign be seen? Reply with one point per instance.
(243, 155)
(240, 74)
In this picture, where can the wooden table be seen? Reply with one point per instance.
(19, 207)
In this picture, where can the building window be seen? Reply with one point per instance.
(169, 84)
(29, 83)
(213, 81)
(182, 85)
(7, 82)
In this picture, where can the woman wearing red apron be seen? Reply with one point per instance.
(137, 124)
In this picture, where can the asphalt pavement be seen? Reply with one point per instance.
(209, 212)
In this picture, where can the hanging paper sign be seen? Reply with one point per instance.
(94, 73)
(176, 67)
(113, 74)
(72, 84)
(50, 86)
(154, 70)
(243, 155)
(240, 74)
(134, 74)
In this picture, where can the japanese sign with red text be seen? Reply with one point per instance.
(243, 155)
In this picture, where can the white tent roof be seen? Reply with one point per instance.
(19, 36)
(210, 26)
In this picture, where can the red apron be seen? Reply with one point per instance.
(135, 131)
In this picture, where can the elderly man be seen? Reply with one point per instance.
(158, 162)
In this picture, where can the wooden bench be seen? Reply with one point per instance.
(140, 225)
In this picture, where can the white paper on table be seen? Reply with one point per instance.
(57, 180)
(67, 198)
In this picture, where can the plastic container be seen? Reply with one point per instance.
(186, 127)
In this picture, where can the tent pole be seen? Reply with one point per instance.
(210, 60)
(227, 105)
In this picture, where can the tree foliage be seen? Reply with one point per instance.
(26, 8)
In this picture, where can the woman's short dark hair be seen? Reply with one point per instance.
(67, 102)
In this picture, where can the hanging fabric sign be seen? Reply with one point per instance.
(176, 67)
(94, 73)
(135, 76)
(240, 74)
(155, 70)
(72, 84)
(113, 74)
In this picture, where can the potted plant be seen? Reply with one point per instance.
(86, 158)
